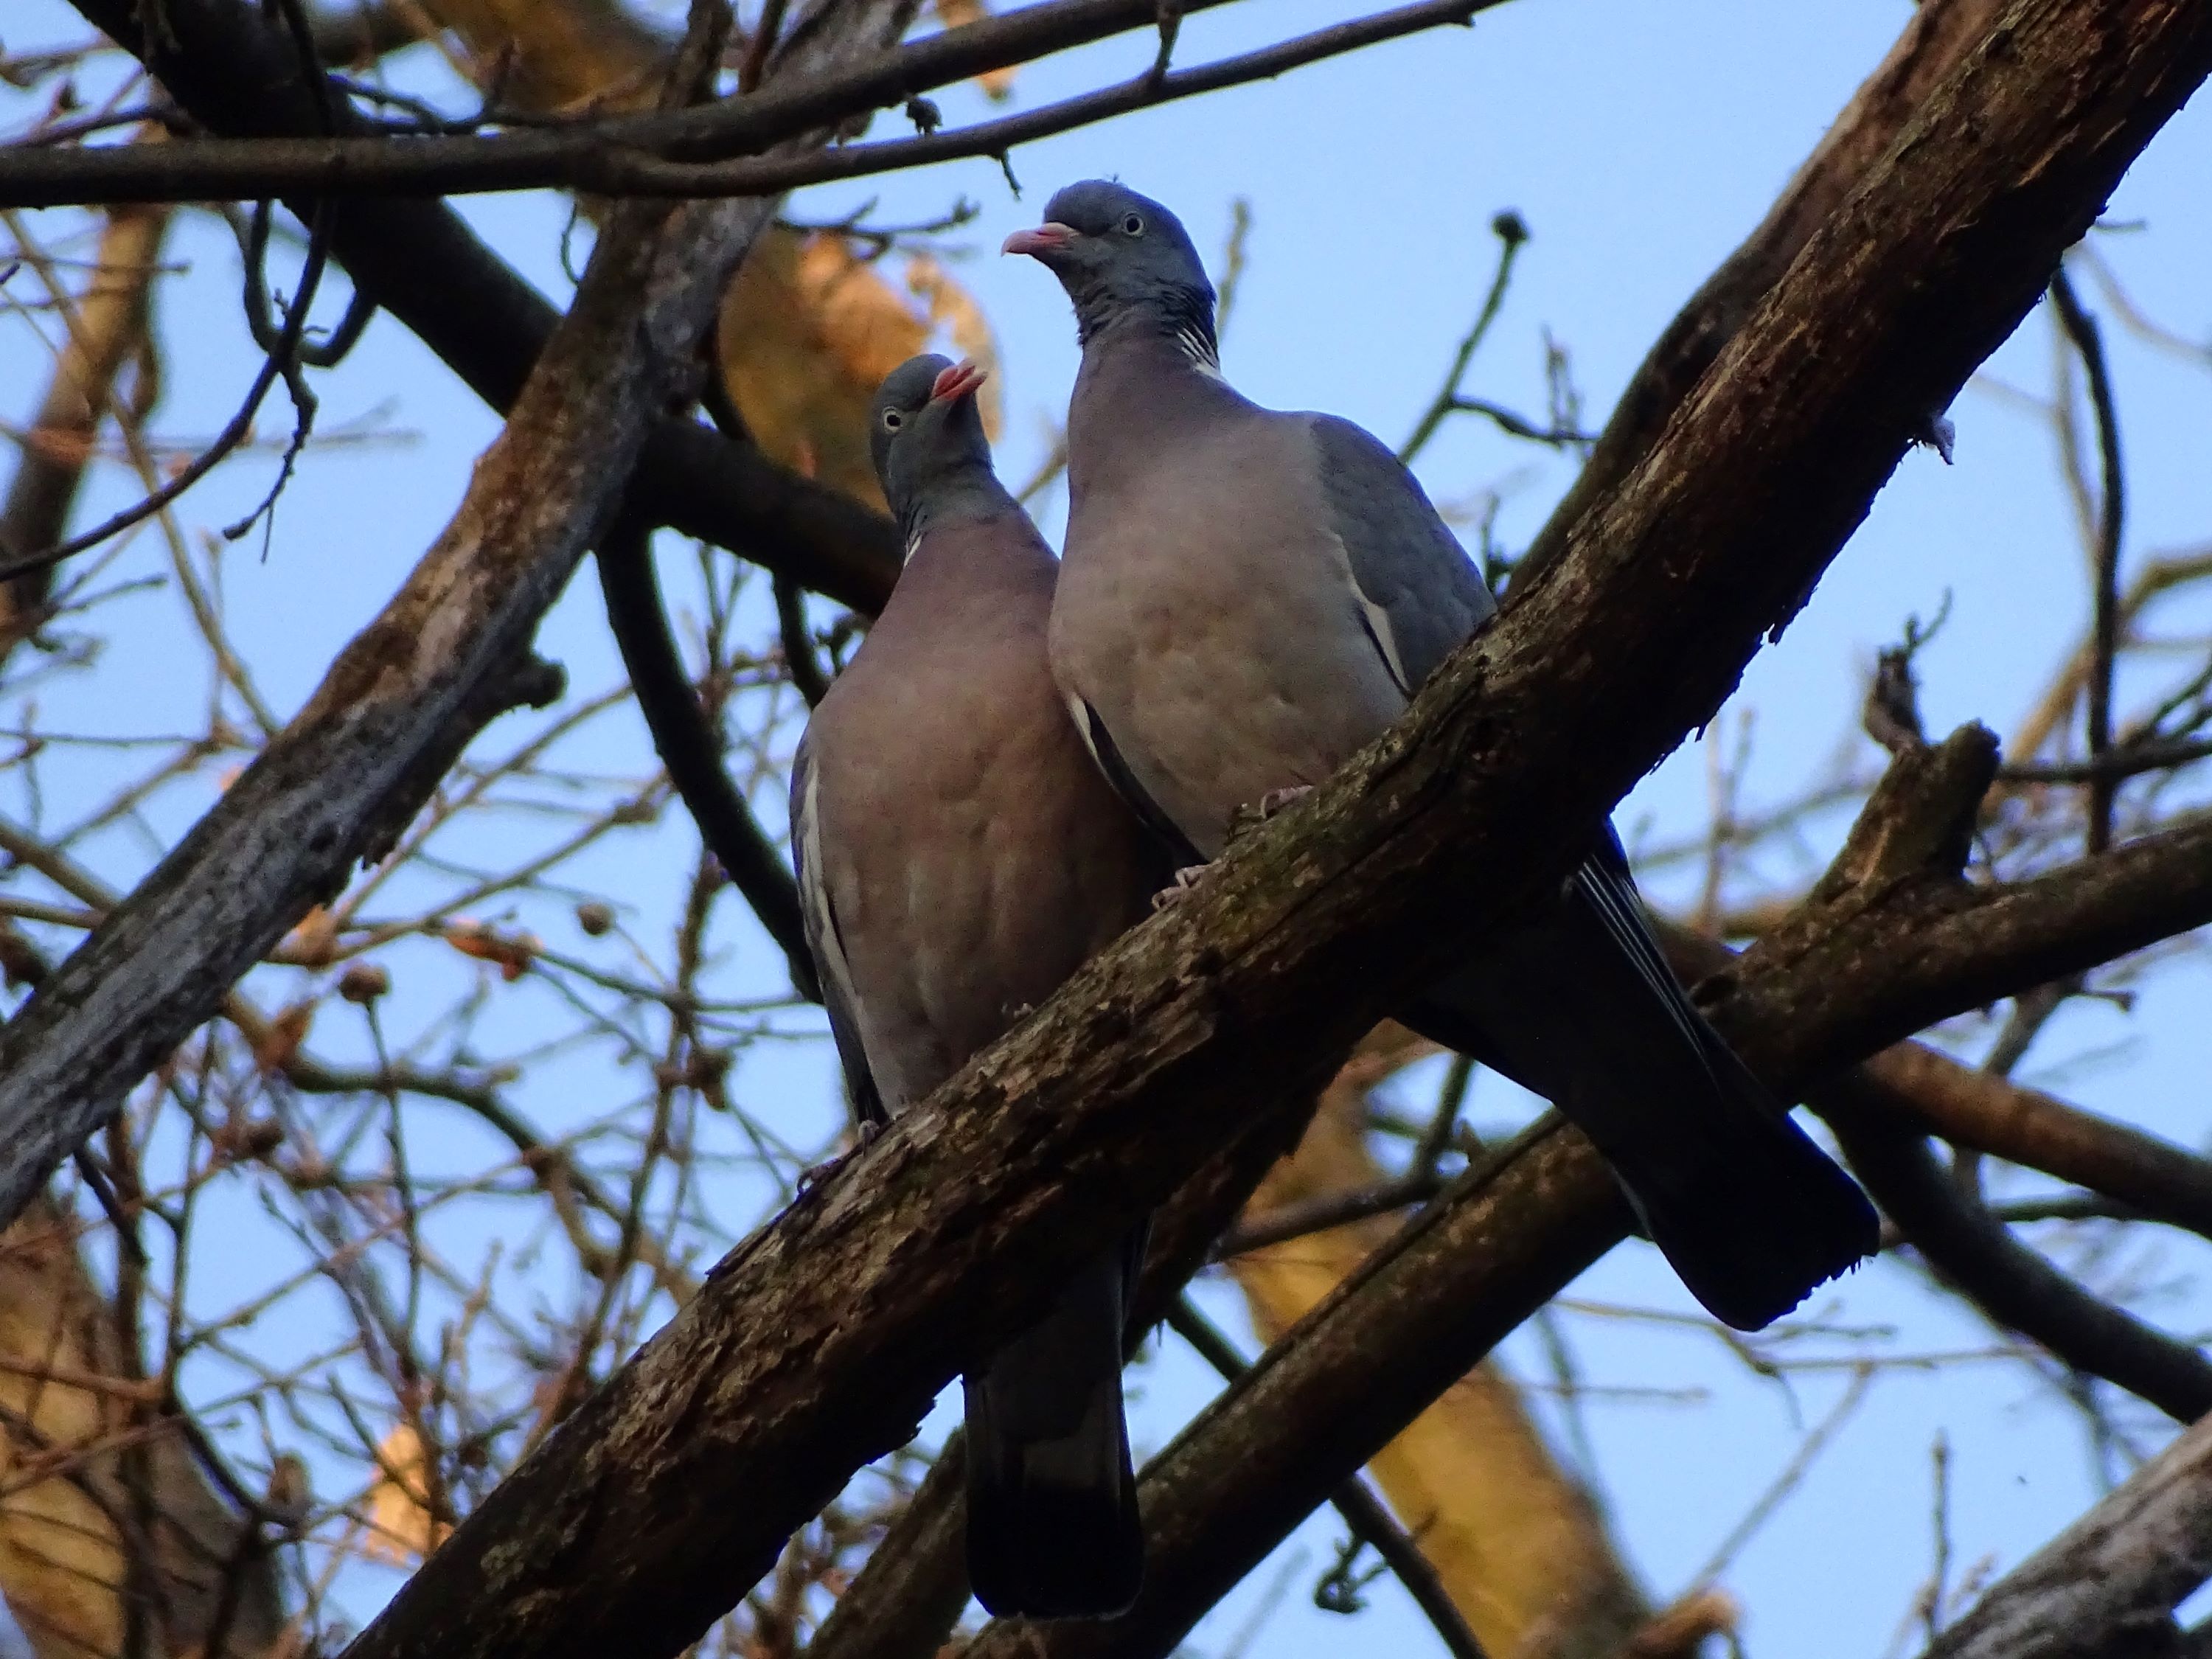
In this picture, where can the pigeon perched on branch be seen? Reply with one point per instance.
(1248, 597)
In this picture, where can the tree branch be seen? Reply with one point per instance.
(233, 72)
(656, 155)
(2104, 586)
(2008, 1282)
(817, 1343)
(262, 157)
(686, 744)
(614, 171)
(2155, 1179)
(400, 701)
(2109, 1583)
(1370, 1519)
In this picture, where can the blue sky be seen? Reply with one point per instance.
(1639, 141)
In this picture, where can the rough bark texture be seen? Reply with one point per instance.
(405, 696)
(233, 70)
(817, 1343)
(2106, 1586)
(1430, 1302)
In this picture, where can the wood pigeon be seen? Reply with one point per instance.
(1249, 596)
(958, 856)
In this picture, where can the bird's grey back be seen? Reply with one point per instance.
(1207, 537)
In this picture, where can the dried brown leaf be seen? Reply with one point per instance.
(274, 1049)
(561, 56)
(998, 84)
(513, 953)
(401, 1529)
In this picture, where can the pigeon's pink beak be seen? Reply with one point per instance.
(1048, 238)
(957, 381)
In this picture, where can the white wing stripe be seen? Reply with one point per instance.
(814, 895)
(1628, 931)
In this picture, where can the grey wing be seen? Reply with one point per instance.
(1419, 593)
(819, 916)
(1122, 778)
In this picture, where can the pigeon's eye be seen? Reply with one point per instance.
(893, 420)
(1132, 225)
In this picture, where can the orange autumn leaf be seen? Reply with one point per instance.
(314, 942)
(279, 1042)
(998, 84)
(513, 953)
(808, 332)
(579, 55)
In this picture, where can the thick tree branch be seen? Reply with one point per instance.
(235, 72)
(2109, 1583)
(686, 744)
(1427, 1306)
(817, 1343)
(263, 158)
(400, 701)
(667, 155)
(2008, 1282)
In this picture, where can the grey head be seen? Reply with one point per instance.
(931, 455)
(1125, 262)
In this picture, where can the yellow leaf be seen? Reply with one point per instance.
(808, 332)
(565, 56)
(401, 1529)
(997, 83)
(954, 312)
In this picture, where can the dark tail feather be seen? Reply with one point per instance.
(1752, 1217)
(1052, 1530)
(1581, 1009)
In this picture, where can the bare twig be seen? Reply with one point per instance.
(2111, 506)
(1362, 1511)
